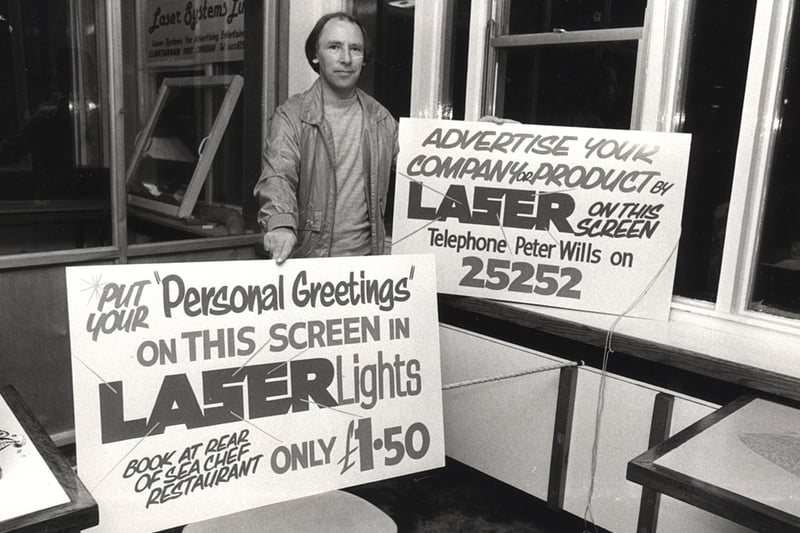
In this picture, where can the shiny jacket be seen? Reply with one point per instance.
(297, 188)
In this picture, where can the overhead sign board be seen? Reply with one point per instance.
(183, 32)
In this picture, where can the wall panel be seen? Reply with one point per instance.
(478, 429)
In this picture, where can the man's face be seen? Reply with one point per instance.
(340, 52)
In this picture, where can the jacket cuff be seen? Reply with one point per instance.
(281, 220)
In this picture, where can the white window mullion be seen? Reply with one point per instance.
(476, 62)
(660, 66)
(753, 153)
(428, 58)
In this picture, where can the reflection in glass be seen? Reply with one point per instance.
(175, 152)
(777, 283)
(171, 153)
(387, 77)
(537, 16)
(589, 85)
(55, 187)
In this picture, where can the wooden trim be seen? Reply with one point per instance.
(721, 502)
(116, 120)
(81, 511)
(692, 431)
(697, 362)
(490, 73)
(559, 457)
(756, 142)
(660, 426)
(58, 257)
(193, 245)
(661, 421)
(208, 148)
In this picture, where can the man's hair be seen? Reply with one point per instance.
(313, 38)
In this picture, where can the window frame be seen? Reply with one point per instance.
(658, 106)
(759, 128)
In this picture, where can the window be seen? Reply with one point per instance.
(677, 65)
(776, 284)
(53, 156)
(566, 63)
(183, 75)
(79, 80)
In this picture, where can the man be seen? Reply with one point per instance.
(328, 157)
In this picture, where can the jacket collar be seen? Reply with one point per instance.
(313, 110)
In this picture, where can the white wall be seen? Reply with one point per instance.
(505, 429)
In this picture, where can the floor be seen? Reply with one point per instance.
(457, 498)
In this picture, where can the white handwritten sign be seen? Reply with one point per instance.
(566, 217)
(183, 32)
(203, 389)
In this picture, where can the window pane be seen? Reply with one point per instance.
(587, 85)
(537, 16)
(716, 78)
(56, 188)
(185, 174)
(777, 282)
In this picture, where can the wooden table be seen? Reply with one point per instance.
(80, 512)
(741, 462)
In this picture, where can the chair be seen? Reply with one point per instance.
(329, 512)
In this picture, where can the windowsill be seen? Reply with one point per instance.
(765, 361)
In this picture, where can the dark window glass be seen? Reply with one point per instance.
(390, 26)
(777, 281)
(537, 16)
(588, 85)
(717, 72)
(55, 184)
(455, 82)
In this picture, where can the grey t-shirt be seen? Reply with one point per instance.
(351, 219)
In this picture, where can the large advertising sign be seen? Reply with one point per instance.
(202, 389)
(579, 218)
(183, 32)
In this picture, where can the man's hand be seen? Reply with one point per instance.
(498, 120)
(279, 242)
